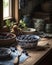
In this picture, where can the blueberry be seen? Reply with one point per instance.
(24, 51)
(12, 49)
(26, 54)
(15, 48)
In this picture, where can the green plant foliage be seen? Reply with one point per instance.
(22, 24)
(8, 24)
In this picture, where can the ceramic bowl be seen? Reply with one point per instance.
(29, 31)
(28, 41)
(4, 53)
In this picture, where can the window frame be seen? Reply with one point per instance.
(10, 8)
(14, 10)
(10, 11)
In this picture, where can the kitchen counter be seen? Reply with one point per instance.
(37, 54)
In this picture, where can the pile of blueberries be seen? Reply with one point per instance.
(5, 36)
(26, 37)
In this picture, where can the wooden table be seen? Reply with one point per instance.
(36, 55)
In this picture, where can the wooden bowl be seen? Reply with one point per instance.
(7, 39)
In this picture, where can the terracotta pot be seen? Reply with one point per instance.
(4, 29)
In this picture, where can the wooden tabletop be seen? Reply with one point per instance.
(43, 47)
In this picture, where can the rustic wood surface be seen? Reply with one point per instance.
(37, 54)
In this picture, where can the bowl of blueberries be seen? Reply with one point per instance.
(4, 53)
(7, 38)
(28, 41)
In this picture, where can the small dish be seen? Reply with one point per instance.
(29, 31)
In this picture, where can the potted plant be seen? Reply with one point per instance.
(8, 26)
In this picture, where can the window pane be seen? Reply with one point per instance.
(6, 8)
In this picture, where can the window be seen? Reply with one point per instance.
(6, 8)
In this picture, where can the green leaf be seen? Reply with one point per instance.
(8, 24)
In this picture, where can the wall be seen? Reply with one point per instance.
(1, 12)
(30, 6)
